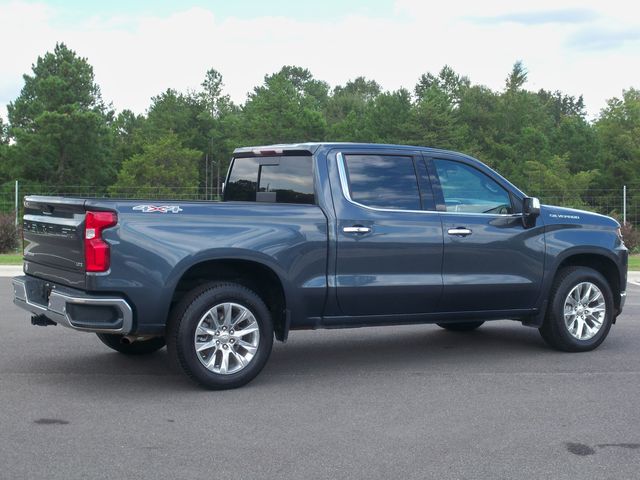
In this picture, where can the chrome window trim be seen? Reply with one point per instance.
(342, 172)
(344, 184)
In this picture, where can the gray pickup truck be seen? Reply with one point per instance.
(319, 235)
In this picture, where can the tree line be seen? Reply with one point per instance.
(60, 131)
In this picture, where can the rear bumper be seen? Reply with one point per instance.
(73, 308)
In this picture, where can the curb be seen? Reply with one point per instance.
(11, 270)
(634, 278)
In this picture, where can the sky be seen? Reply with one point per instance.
(139, 48)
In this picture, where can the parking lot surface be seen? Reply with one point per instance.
(409, 402)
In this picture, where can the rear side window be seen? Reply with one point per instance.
(271, 179)
(383, 181)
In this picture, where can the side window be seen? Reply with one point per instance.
(466, 189)
(273, 180)
(383, 181)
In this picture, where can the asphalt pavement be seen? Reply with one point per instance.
(412, 402)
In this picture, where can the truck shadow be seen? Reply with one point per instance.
(408, 348)
(416, 349)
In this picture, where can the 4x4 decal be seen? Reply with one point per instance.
(158, 208)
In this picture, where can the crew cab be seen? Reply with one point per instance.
(319, 235)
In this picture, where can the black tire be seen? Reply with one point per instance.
(460, 326)
(184, 321)
(142, 347)
(554, 330)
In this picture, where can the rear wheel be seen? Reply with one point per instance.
(580, 312)
(221, 335)
(140, 347)
(460, 326)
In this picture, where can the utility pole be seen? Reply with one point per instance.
(17, 205)
(624, 205)
(218, 185)
(217, 163)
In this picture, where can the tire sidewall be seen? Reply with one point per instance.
(189, 321)
(567, 284)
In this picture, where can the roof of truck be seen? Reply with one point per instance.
(312, 147)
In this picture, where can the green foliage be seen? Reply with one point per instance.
(127, 136)
(554, 176)
(286, 108)
(448, 82)
(222, 119)
(631, 238)
(8, 233)
(517, 78)
(61, 132)
(618, 132)
(346, 109)
(60, 123)
(180, 114)
(164, 169)
(5, 151)
(618, 129)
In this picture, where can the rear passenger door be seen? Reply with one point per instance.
(389, 247)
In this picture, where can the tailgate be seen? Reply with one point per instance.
(53, 230)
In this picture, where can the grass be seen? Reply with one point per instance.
(11, 259)
(634, 262)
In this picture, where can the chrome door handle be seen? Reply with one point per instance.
(356, 229)
(462, 232)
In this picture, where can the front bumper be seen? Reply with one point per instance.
(73, 308)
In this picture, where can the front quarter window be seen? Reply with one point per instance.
(468, 190)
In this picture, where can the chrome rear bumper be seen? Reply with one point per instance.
(72, 308)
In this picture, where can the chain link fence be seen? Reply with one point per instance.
(605, 201)
(617, 203)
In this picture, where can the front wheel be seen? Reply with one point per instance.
(580, 311)
(221, 335)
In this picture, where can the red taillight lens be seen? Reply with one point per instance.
(96, 250)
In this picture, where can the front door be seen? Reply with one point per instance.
(491, 261)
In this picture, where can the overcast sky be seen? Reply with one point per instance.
(139, 48)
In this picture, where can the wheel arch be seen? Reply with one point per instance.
(256, 275)
(599, 259)
(601, 263)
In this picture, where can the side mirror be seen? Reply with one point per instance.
(531, 206)
(530, 211)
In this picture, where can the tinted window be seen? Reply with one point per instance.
(383, 181)
(466, 189)
(271, 179)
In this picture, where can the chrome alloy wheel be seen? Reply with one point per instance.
(227, 338)
(584, 311)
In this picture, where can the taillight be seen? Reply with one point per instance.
(96, 250)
